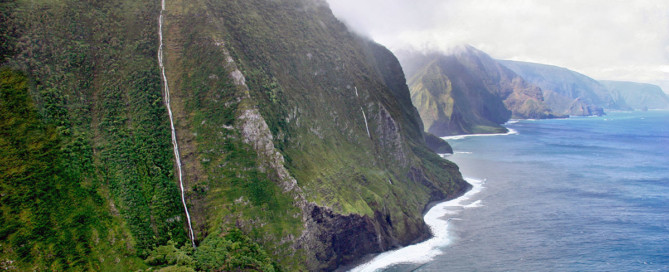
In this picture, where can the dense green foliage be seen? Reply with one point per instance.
(48, 219)
(96, 87)
(232, 251)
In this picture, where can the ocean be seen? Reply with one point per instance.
(576, 194)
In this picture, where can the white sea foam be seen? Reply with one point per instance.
(474, 204)
(437, 219)
(463, 152)
(460, 137)
(512, 121)
(444, 155)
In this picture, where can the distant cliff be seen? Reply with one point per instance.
(566, 92)
(466, 91)
(637, 95)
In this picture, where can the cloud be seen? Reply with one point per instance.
(601, 38)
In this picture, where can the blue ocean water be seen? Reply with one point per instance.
(577, 194)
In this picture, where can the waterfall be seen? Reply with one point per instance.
(169, 111)
(364, 117)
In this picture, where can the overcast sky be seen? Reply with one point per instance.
(604, 39)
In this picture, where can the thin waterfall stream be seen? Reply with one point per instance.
(169, 111)
(364, 117)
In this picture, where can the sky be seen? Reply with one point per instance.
(604, 39)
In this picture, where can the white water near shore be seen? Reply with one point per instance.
(437, 218)
(459, 137)
(169, 111)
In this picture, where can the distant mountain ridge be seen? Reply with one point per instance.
(466, 91)
(566, 92)
(637, 96)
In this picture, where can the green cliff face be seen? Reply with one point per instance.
(466, 91)
(91, 73)
(637, 95)
(300, 146)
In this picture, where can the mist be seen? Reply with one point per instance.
(615, 40)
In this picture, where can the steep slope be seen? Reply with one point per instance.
(637, 95)
(299, 143)
(461, 92)
(92, 74)
(565, 91)
(337, 147)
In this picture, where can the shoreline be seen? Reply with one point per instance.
(462, 136)
(454, 196)
(474, 186)
(425, 250)
(369, 257)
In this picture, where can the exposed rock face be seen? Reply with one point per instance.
(637, 95)
(566, 92)
(466, 91)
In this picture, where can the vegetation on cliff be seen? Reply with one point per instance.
(300, 145)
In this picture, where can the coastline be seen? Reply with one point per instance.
(432, 214)
(462, 136)
(369, 257)
(425, 250)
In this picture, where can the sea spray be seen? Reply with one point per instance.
(169, 111)
(437, 219)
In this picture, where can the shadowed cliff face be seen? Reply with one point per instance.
(466, 91)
